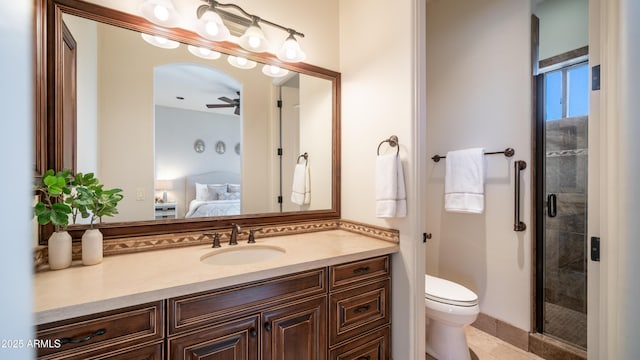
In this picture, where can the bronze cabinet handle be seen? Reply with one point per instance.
(361, 270)
(83, 339)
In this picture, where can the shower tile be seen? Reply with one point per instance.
(571, 251)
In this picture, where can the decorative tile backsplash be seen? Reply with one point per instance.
(167, 241)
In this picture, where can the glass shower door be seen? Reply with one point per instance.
(564, 214)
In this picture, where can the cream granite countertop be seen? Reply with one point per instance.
(131, 279)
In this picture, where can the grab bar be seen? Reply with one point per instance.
(518, 225)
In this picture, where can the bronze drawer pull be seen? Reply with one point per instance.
(267, 326)
(362, 309)
(83, 339)
(253, 332)
(361, 270)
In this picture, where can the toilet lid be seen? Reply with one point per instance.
(448, 292)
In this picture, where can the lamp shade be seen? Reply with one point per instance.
(253, 39)
(211, 27)
(274, 71)
(203, 52)
(160, 12)
(162, 185)
(160, 41)
(240, 62)
(290, 50)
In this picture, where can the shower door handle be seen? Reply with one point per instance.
(552, 208)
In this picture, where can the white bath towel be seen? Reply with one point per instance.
(464, 181)
(391, 199)
(301, 190)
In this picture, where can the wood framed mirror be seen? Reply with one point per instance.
(59, 129)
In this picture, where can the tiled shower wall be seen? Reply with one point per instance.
(566, 245)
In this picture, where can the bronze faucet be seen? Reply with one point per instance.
(235, 229)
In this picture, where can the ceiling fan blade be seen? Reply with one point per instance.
(237, 110)
(216, 106)
(226, 99)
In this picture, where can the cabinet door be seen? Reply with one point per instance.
(235, 340)
(296, 331)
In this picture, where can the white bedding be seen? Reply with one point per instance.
(200, 208)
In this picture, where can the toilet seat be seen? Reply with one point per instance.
(448, 292)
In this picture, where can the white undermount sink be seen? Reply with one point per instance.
(248, 254)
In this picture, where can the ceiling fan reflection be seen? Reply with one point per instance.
(235, 103)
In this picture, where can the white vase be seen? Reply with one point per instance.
(91, 247)
(59, 249)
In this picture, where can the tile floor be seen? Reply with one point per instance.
(486, 347)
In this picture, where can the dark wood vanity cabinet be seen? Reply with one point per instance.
(135, 332)
(340, 312)
(359, 310)
(282, 318)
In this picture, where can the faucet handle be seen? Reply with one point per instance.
(252, 236)
(216, 239)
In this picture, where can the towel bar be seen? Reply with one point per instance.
(393, 142)
(305, 156)
(508, 152)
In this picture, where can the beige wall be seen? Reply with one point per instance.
(381, 97)
(315, 107)
(478, 95)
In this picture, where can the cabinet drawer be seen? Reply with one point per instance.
(195, 311)
(81, 337)
(373, 346)
(357, 310)
(358, 271)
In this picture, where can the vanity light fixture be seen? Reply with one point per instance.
(240, 62)
(203, 52)
(160, 41)
(253, 38)
(160, 12)
(274, 71)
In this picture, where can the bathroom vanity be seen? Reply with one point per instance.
(327, 297)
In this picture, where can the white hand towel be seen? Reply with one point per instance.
(464, 181)
(390, 192)
(301, 190)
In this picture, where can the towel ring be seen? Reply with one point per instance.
(305, 156)
(393, 142)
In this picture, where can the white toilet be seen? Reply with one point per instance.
(449, 307)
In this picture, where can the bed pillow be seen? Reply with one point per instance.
(233, 188)
(202, 193)
(214, 189)
(228, 195)
(207, 192)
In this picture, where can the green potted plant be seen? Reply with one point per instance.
(51, 208)
(91, 200)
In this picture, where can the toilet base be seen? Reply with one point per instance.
(446, 342)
